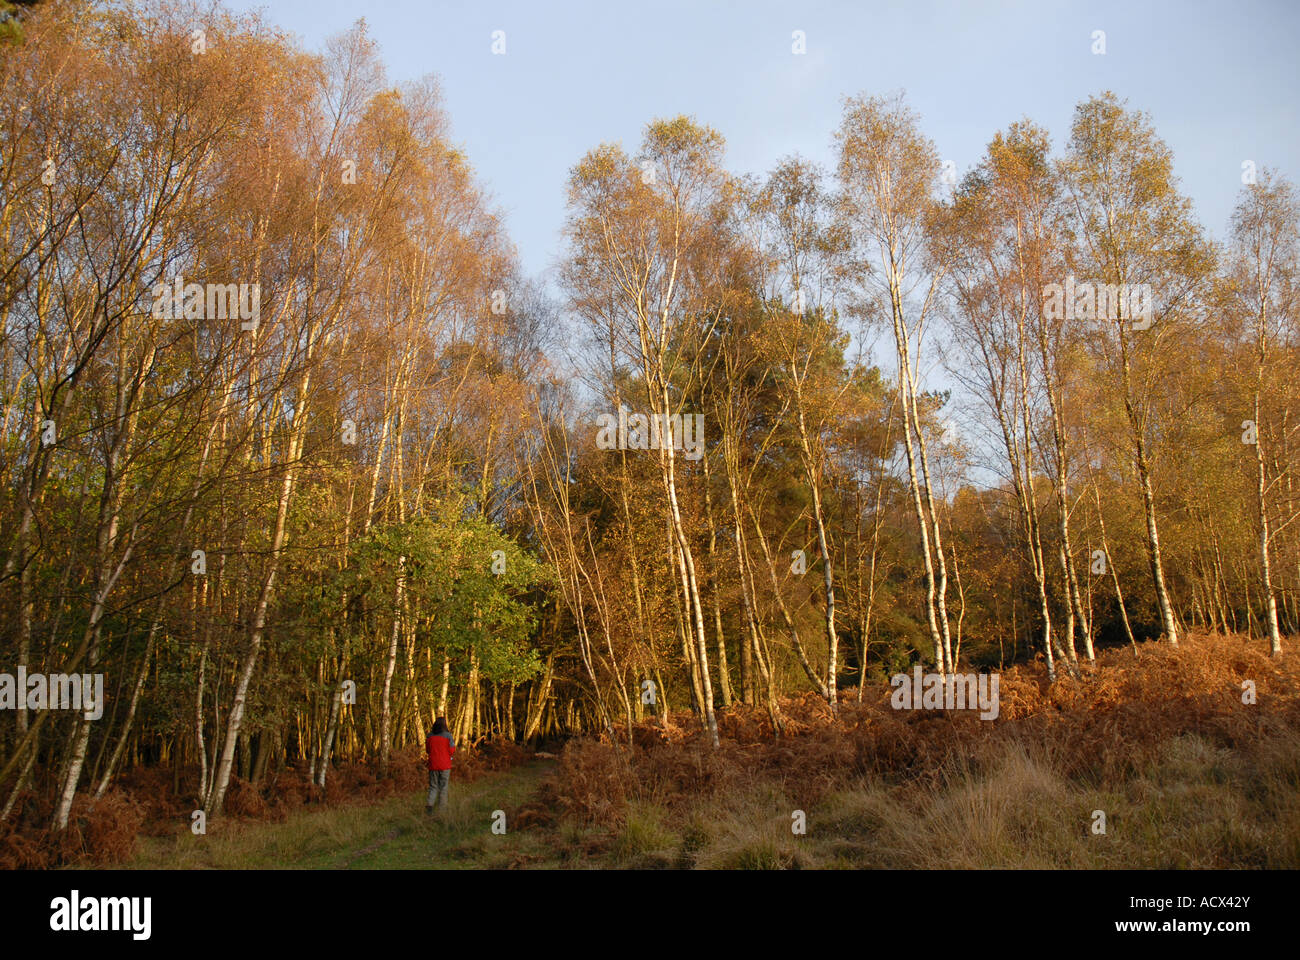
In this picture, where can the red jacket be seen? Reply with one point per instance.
(439, 747)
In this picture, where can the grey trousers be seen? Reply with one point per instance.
(438, 780)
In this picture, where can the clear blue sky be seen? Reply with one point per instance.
(1220, 80)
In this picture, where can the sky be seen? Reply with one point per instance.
(1220, 81)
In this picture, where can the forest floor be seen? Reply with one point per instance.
(1155, 760)
(1196, 807)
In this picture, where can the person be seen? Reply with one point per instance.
(439, 747)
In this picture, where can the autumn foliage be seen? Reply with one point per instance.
(1098, 729)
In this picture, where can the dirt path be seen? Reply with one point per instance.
(393, 834)
(462, 836)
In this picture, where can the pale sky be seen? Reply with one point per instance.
(1220, 80)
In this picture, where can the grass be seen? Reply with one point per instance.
(1196, 806)
(1185, 774)
(394, 833)
(1192, 810)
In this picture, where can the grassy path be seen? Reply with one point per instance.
(393, 834)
